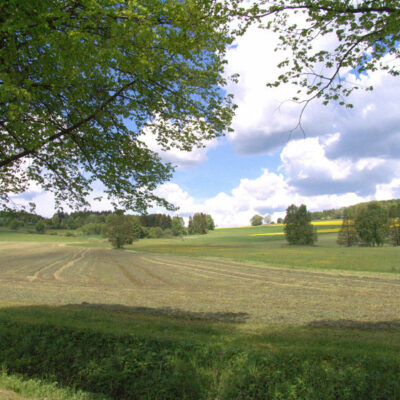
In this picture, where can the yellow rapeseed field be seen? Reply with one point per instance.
(282, 233)
(316, 223)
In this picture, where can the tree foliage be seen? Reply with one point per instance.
(81, 81)
(256, 220)
(372, 223)
(365, 34)
(119, 230)
(347, 235)
(210, 222)
(178, 226)
(298, 228)
(198, 224)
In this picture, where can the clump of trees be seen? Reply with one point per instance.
(347, 235)
(298, 228)
(371, 224)
(200, 223)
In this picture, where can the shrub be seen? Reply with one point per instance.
(155, 232)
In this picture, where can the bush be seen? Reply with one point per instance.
(92, 228)
(168, 233)
(40, 227)
(155, 232)
(14, 225)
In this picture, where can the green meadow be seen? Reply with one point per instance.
(227, 315)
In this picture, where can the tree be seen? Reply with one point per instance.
(267, 219)
(372, 223)
(83, 81)
(347, 235)
(40, 227)
(14, 224)
(256, 220)
(394, 231)
(279, 221)
(119, 230)
(199, 223)
(366, 32)
(298, 228)
(210, 222)
(190, 226)
(178, 226)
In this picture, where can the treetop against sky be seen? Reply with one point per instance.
(337, 157)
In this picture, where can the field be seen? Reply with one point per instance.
(234, 292)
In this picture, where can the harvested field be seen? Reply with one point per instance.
(53, 273)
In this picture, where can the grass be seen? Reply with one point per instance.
(263, 291)
(220, 316)
(238, 245)
(97, 348)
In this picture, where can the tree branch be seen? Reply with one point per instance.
(66, 131)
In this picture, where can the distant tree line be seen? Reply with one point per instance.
(327, 214)
(366, 224)
(371, 224)
(257, 220)
(118, 228)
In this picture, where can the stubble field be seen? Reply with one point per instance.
(54, 273)
(221, 316)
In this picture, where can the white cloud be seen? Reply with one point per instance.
(265, 118)
(181, 159)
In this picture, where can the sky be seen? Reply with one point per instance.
(344, 156)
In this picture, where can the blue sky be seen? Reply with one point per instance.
(222, 170)
(345, 157)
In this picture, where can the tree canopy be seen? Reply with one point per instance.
(298, 228)
(82, 80)
(256, 220)
(372, 224)
(365, 36)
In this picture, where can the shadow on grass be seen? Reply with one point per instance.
(230, 317)
(351, 324)
(134, 352)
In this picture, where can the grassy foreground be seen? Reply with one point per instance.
(221, 316)
(123, 354)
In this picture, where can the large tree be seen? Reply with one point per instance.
(119, 230)
(82, 80)
(372, 224)
(365, 36)
(298, 228)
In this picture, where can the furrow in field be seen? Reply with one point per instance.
(229, 274)
(127, 274)
(152, 261)
(148, 272)
(337, 276)
(43, 269)
(79, 256)
(306, 281)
